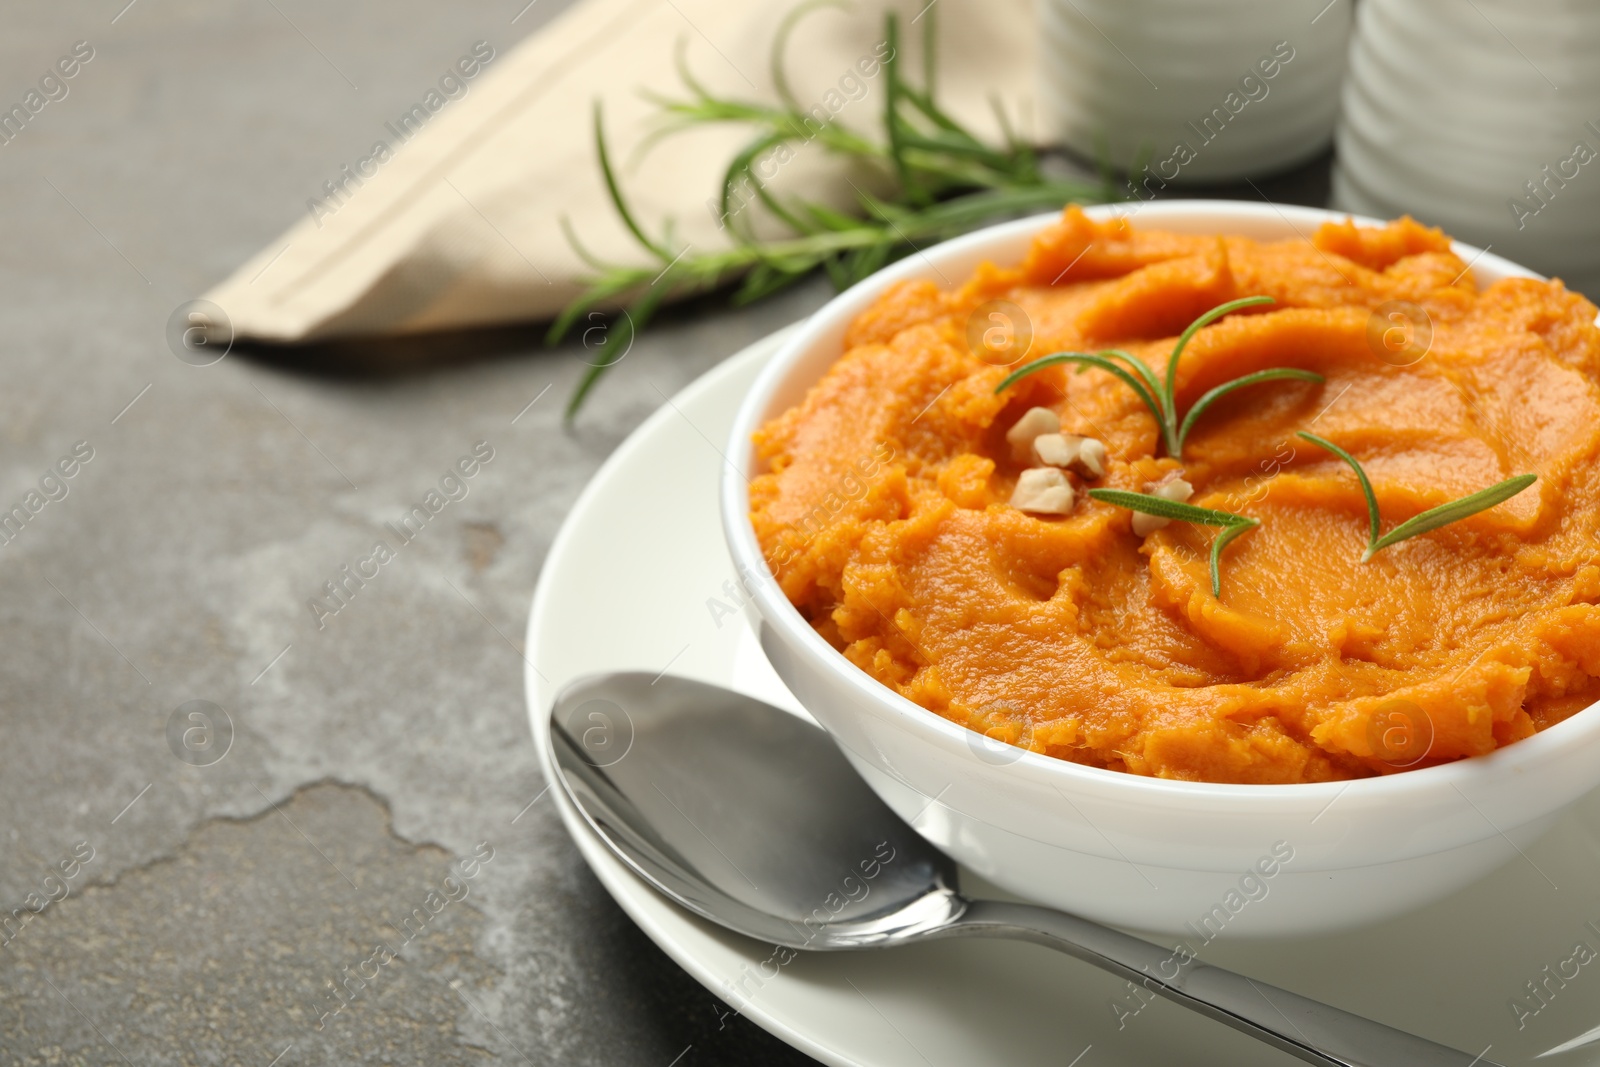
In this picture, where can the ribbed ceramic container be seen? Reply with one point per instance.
(1482, 118)
(1210, 89)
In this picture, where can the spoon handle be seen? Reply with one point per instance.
(1314, 1032)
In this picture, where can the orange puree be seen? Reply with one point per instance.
(885, 513)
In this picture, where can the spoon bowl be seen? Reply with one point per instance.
(796, 851)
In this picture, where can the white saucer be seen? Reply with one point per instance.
(639, 579)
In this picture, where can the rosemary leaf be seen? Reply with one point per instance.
(780, 44)
(1086, 360)
(1232, 525)
(1366, 487)
(622, 334)
(1139, 367)
(824, 217)
(1148, 391)
(894, 129)
(1454, 511)
(613, 285)
(616, 193)
(1220, 542)
(1273, 375)
(739, 167)
(769, 278)
(930, 51)
(1162, 508)
(1195, 327)
(619, 335)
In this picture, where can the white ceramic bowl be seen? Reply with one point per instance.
(1168, 856)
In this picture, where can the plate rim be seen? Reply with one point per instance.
(631, 892)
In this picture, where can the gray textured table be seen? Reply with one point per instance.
(209, 908)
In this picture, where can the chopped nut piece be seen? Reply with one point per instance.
(1034, 421)
(1086, 455)
(1092, 457)
(1043, 491)
(1172, 489)
(1056, 449)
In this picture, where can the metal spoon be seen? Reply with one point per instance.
(751, 817)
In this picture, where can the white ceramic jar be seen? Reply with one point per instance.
(1208, 90)
(1482, 118)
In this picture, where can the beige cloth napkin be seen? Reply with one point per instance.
(460, 225)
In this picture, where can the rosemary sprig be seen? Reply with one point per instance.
(1232, 525)
(1160, 396)
(943, 181)
(1433, 518)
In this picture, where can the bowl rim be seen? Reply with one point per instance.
(1508, 761)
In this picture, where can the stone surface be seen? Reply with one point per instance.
(356, 760)
(378, 750)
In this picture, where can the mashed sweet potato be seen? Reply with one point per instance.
(884, 509)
